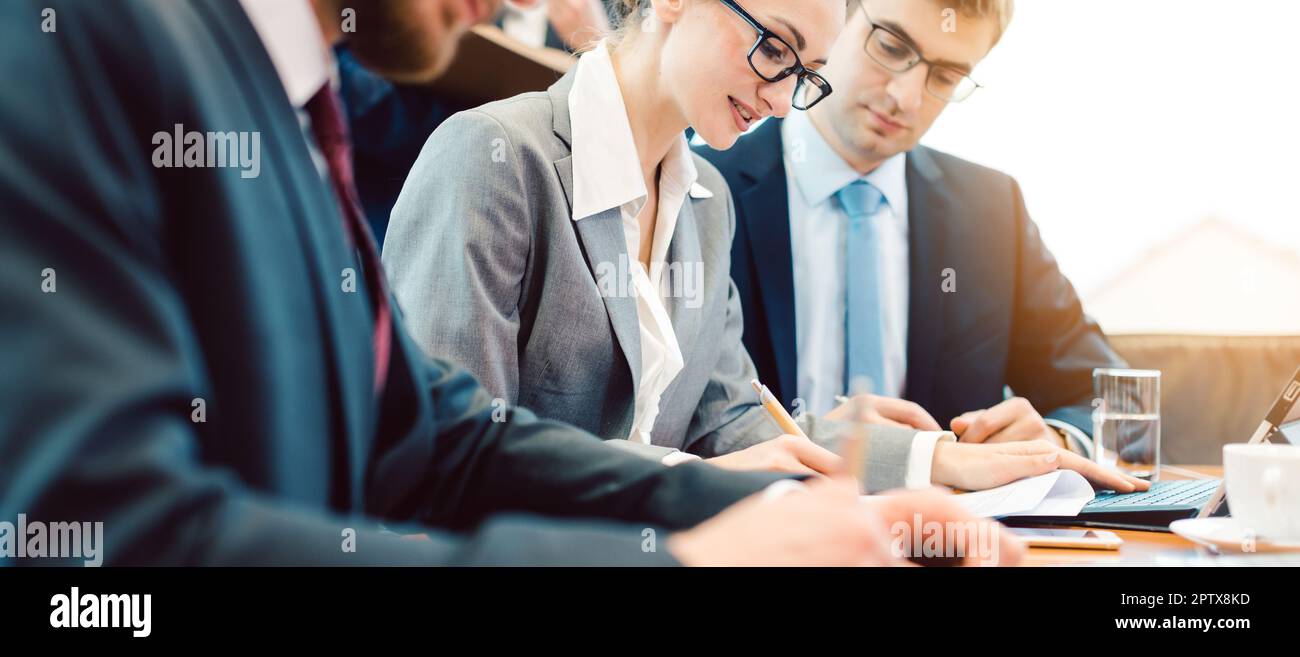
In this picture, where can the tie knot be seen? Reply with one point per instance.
(860, 199)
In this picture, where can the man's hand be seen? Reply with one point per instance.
(1013, 420)
(824, 524)
(990, 544)
(829, 524)
(792, 454)
(977, 467)
(874, 409)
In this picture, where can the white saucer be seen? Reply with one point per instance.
(1227, 535)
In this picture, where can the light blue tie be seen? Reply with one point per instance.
(864, 317)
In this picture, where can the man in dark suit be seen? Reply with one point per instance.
(390, 122)
(200, 350)
(861, 255)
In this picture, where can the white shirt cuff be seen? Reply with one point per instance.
(678, 458)
(778, 489)
(920, 461)
(1073, 435)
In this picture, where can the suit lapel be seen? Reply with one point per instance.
(928, 206)
(766, 207)
(319, 224)
(602, 241)
(684, 264)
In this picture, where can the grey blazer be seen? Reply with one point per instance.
(493, 274)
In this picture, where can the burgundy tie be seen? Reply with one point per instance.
(332, 137)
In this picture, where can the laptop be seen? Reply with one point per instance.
(1167, 501)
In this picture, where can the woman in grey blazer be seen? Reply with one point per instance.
(586, 249)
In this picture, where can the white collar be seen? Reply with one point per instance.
(606, 168)
(821, 172)
(291, 35)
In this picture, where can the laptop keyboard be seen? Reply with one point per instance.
(1191, 492)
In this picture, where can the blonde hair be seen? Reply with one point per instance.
(627, 18)
(626, 11)
(999, 11)
(626, 8)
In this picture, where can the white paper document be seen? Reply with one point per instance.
(1059, 493)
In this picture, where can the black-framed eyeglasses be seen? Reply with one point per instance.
(773, 60)
(898, 55)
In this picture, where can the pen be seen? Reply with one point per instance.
(774, 408)
(853, 446)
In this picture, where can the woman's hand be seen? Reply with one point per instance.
(791, 454)
(824, 524)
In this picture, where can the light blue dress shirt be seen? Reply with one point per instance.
(818, 239)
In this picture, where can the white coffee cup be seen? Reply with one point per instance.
(1264, 488)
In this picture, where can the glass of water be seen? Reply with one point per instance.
(1126, 421)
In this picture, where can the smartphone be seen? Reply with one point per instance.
(1086, 539)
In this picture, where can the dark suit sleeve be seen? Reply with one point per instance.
(1054, 344)
(465, 456)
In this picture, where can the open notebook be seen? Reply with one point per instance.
(1059, 493)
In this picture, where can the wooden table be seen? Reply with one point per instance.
(1139, 546)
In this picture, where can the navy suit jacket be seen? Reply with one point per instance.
(1013, 319)
(183, 361)
(389, 124)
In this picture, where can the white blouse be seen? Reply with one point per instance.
(606, 175)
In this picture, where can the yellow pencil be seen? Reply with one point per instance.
(774, 408)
